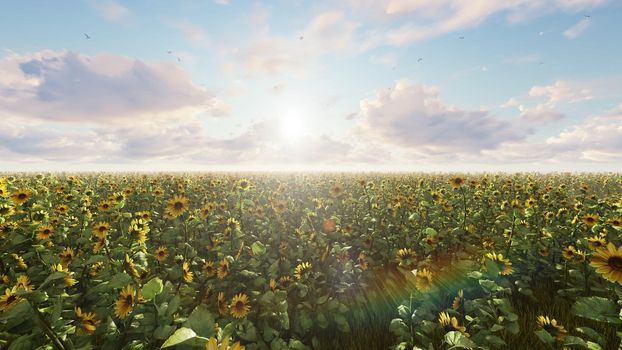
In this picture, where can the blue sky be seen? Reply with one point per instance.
(383, 85)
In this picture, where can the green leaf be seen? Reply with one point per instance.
(152, 288)
(597, 309)
(181, 335)
(399, 328)
(457, 340)
(545, 336)
(258, 248)
(572, 340)
(201, 321)
(592, 334)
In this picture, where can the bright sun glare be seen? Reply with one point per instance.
(292, 126)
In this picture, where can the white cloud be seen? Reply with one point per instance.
(564, 91)
(104, 88)
(540, 114)
(222, 2)
(110, 10)
(415, 118)
(193, 33)
(577, 29)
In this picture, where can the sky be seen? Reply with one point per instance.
(339, 85)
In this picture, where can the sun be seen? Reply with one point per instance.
(291, 125)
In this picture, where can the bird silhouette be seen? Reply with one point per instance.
(301, 37)
(86, 36)
(178, 59)
(461, 37)
(587, 17)
(169, 52)
(419, 59)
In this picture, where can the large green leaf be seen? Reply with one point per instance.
(597, 309)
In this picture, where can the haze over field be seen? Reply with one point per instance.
(380, 85)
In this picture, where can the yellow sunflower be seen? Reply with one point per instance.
(504, 264)
(336, 191)
(608, 262)
(9, 299)
(209, 269)
(423, 279)
(21, 196)
(105, 205)
(451, 323)
(596, 242)
(222, 304)
(615, 222)
(240, 306)
(456, 181)
(590, 219)
(244, 184)
(161, 253)
(100, 230)
(285, 281)
(66, 256)
(552, 327)
(302, 269)
(223, 268)
(407, 258)
(212, 344)
(45, 232)
(20, 261)
(125, 303)
(569, 252)
(6, 209)
(23, 282)
(88, 320)
(176, 206)
(186, 272)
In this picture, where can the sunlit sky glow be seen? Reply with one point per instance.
(364, 85)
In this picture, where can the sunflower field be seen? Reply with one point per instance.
(310, 261)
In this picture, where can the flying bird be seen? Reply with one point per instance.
(587, 17)
(86, 36)
(461, 37)
(419, 59)
(301, 37)
(178, 59)
(169, 52)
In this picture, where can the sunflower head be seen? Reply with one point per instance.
(21, 196)
(187, 274)
(212, 344)
(240, 306)
(161, 253)
(551, 325)
(223, 268)
(456, 181)
(451, 323)
(569, 252)
(45, 232)
(596, 242)
(406, 258)
(590, 219)
(125, 302)
(303, 270)
(608, 262)
(87, 320)
(9, 299)
(504, 265)
(423, 279)
(222, 304)
(176, 206)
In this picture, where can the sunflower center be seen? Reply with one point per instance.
(615, 262)
(129, 300)
(239, 305)
(11, 299)
(21, 196)
(178, 205)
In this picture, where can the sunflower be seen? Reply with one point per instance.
(9, 299)
(458, 300)
(62, 209)
(596, 242)
(362, 261)
(273, 284)
(186, 272)
(68, 279)
(66, 256)
(552, 327)
(212, 344)
(302, 269)
(6, 209)
(590, 219)
(176, 206)
(209, 269)
(504, 264)
(569, 252)
(336, 191)
(240, 305)
(105, 205)
(222, 304)
(3, 190)
(608, 262)
(21, 196)
(244, 184)
(144, 215)
(285, 281)
(456, 181)
(406, 258)
(96, 268)
(232, 225)
(45, 232)
(530, 202)
(100, 230)
(125, 303)
(451, 323)
(20, 261)
(223, 268)
(206, 210)
(129, 264)
(423, 279)
(139, 229)
(23, 282)
(88, 320)
(615, 222)
(161, 253)
(99, 245)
